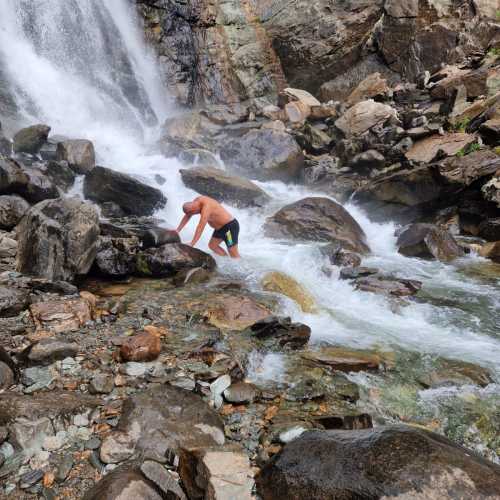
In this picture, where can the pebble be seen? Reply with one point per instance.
(53, 443)
(30, 478)
(64, 468)
(184, 383)
(84, 433)
(81, 420)
(101, 384)
(4, 433)
(217, 388)
(133, 369)
(40, 460)
(93, 443)
(95, 462)
(7, 450)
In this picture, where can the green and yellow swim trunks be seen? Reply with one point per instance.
(229, 233)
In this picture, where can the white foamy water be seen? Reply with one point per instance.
(82, 67)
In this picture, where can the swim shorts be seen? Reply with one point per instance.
(229, 233)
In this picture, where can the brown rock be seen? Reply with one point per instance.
(79, 153)
(371, 87)
(145, 346)
(427, 149)
(345, 360)
(491, 251)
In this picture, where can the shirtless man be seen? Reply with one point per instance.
(226, 227)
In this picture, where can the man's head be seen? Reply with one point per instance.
(192, 207)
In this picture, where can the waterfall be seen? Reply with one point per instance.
(81, 66)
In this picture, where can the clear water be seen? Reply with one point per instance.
(82, 67)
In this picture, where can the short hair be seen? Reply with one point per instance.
(186, 206)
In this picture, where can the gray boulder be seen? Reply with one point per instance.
(387, 462)
(13, 300)
(116, 257)
(79, 153)
(318, 219)
(12, 209)
(31, 139)
(132, 196)
(224, 187)
(58, 239)
(264, 154)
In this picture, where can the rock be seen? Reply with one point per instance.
(7, 378)
(491, 190)
(364, 116)
(426, 150)
(163, 479)
(132, 196)
(13, 300)
(428, 241)
(124, 483)
(264, 154)
(367, 161)
(118, 447)
(12, 209)
(345, 360)
(145, 346)
(340, 257)
(28, 435)
(46, 351)
(392, 461)
(79, 153)
(64, 467)
(240, 393)
(168, 260)
(318, 219)
(388, 286)
(217, 388)
(285, 285)
(455, 373)
(216, 473)
(58, 239)
(101, 384)
(61, 316)
(491, 251)
(30, 479)
(8, 250)
(116, 257)
(281, 332)
(490, 229)
(31, 139)
(372, 87)
(352, 273)
(192, 276)
(235, 313)
(164, 418)
(59, 173)
(224, 187)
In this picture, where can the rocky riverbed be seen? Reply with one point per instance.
(353, 353)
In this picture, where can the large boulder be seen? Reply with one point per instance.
(12, 209)
(168, 260)
(318, 219)
(58, 239)
(79, 153)
(132, 196)
(264, 154)
(428, 241)
(31, 139)
(116, 257)
(224, 187)
(388, 462)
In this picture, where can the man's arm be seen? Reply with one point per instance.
(183, 223)
(201, 226)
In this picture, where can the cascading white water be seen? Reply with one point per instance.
(81, 66)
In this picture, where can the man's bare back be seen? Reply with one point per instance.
(215, 215)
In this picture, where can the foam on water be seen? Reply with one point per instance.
(82, 67)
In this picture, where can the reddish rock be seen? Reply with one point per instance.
(145, 346)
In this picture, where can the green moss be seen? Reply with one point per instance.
(494, 51)
(142, 266)
(462, 125)
(497, 150)
(471, 148)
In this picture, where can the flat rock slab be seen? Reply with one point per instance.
(345, 360)
(61, 316)
(450, 144)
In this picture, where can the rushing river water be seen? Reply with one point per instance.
(81, 67)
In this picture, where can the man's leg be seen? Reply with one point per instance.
(214, 245)
(233, 252)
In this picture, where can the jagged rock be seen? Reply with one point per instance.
(31, 139)
(388, 286)
(281, 332)
(12, 209)
(101, 384)
(345, 360)
(145, 346)
(372, 87)
(58, 239)
(352, 273)
(46, 351)
(165, 418)
(224, 187)
(364, 116)
(134, 197)
(216, 473)
(426, 150)
(240, 393)
(79, 153)
(491, 190)
(318, 219)
(163, 479)
(13, 300)
(59, 173)
(116, 257)
(168, 260)
(7, 378)
(340, 257)
(491, 251)
(397, 461)
(368, 161)
(264, 154)
(428, 241)
(281, 283)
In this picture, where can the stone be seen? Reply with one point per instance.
(59, 174)
(240, 393)
(491, 251)
(217, 388)
(118, 447)
(37, 378)
(232, 312)
(389, 461)
(57, 239)
(116, 257)
(264, 154)
(297, 112)
(489, 229)
(367, 161)
(388, 286)
(8, 249)
(29, 435)
(61, 316)
(428, 241)
(164, 418)
(340, 257)
(13, 300)
(30, 479)
(145, 346)
(281, 332)
(491, 190)
(101, 384)
(54, 443)
(426, 150)
(345, 360)
(317, 219)
(7, 378)
(282, 283)
(12, 210)
(363, 116)
(167, 260)
(163, 479)
(224, 187)
(192, 276)
(46, 351)
(31, 139)
(372, 87)
(79, 153)
(132, 196)
(216, 473)
(64, 466)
